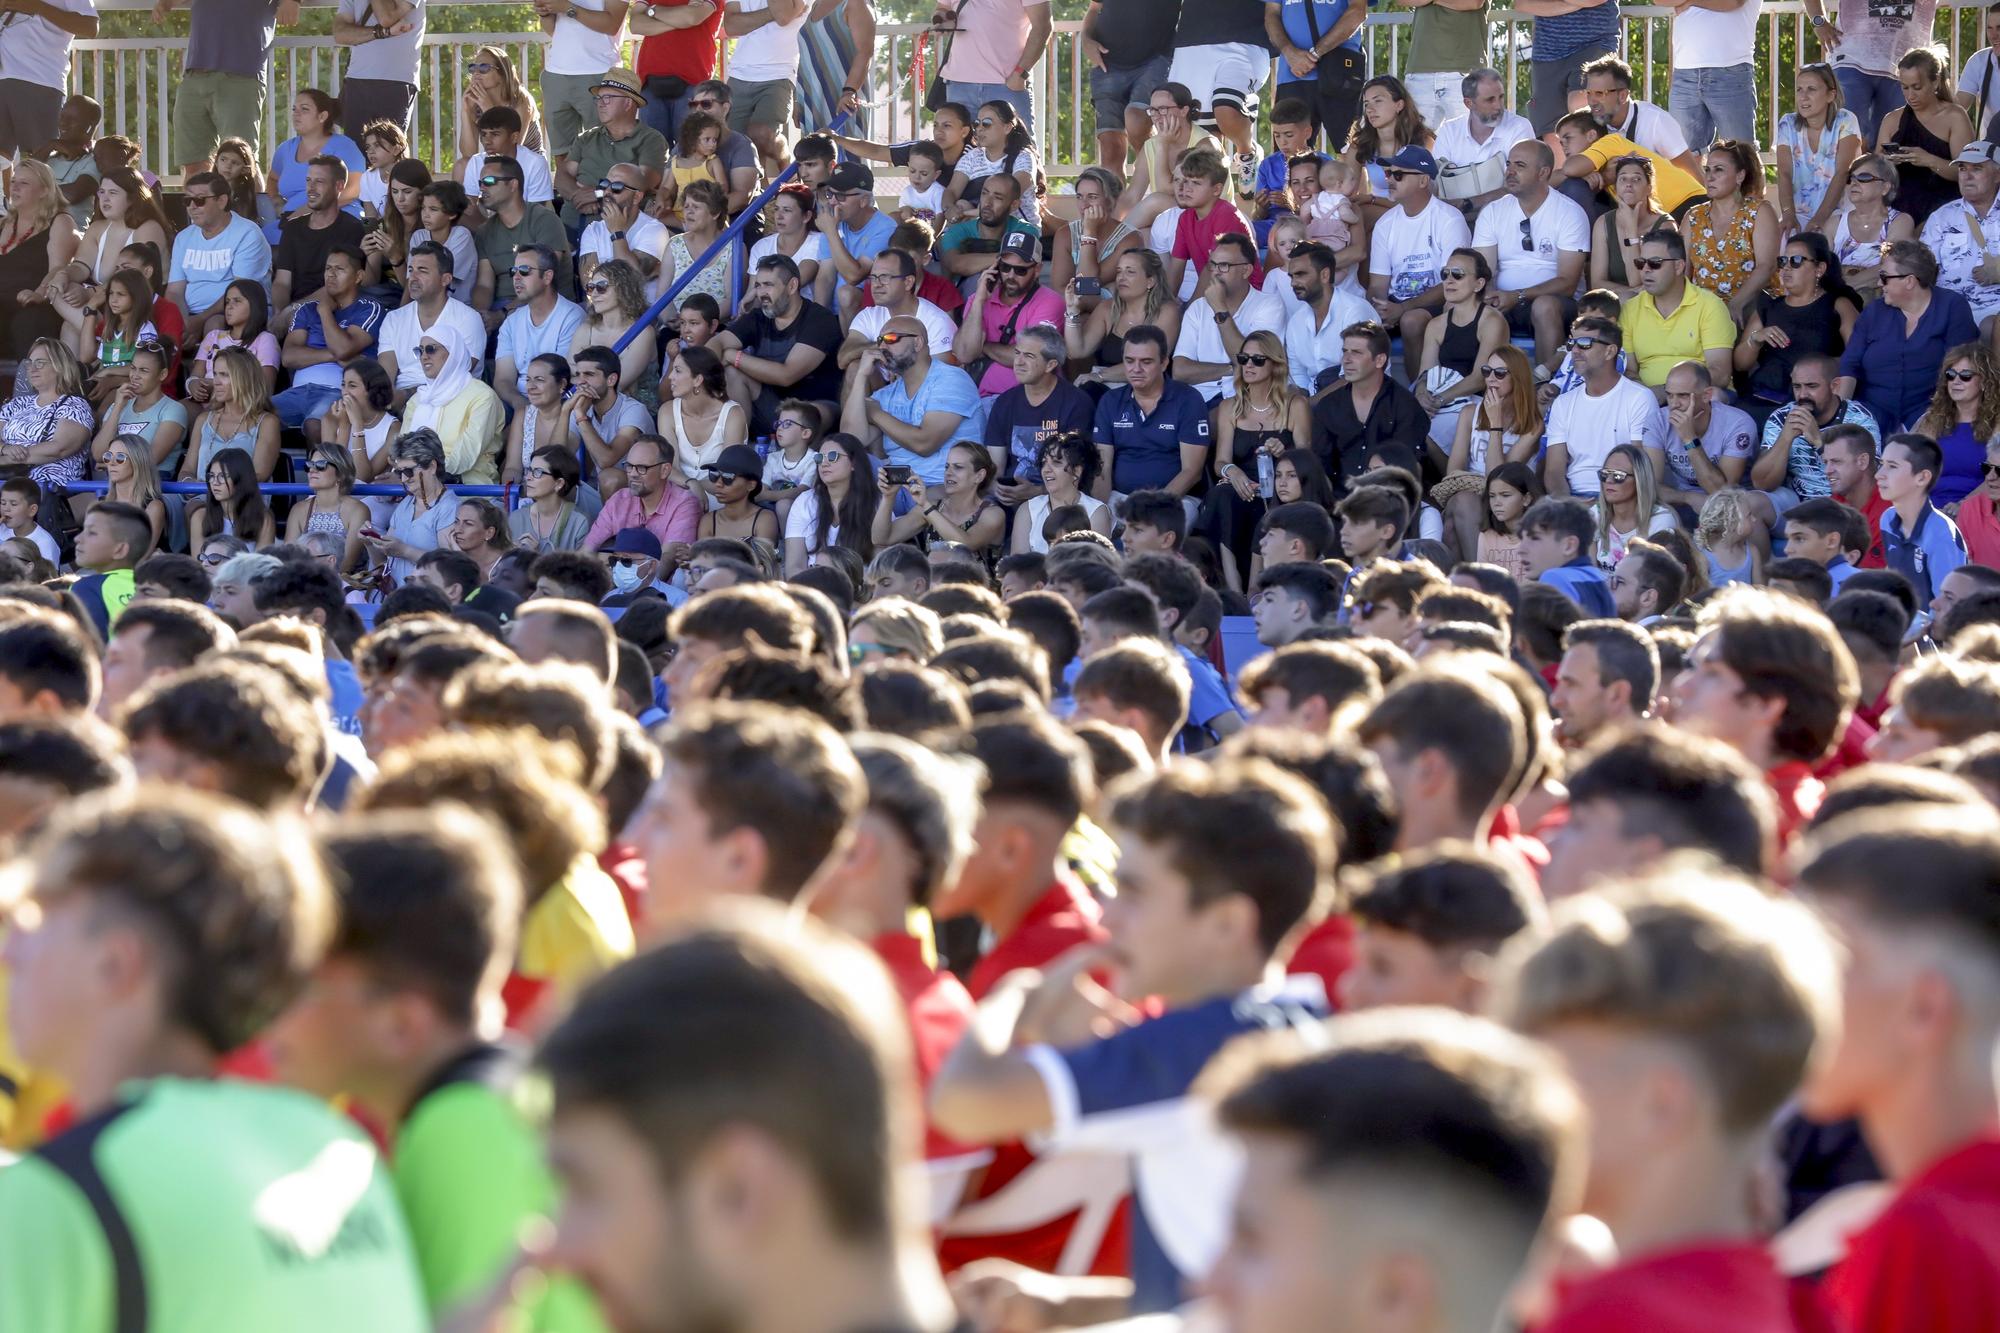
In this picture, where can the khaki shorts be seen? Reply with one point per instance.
(760, 104)
(211, 106)
(568, 107)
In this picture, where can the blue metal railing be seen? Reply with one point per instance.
(292, 488)
(730, 234)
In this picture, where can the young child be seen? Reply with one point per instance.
(1291, 137)
(235, 163)
(923, 197)
(383, 146)
(1688, 1009)
(1829, 534)
(698, 159)
(1155, 523)
(1427, 931)
(794, 465)
(20, 512)
(1724, 531)
(1919, 540)
(444, 203)
(1557, 537)
(1204, 180)
(1511, 489)
(1331, 217)
(128, 305)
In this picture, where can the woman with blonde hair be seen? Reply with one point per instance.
(1628, 503)
(1816, 146)
(239, 416)
(894, 627)
(1505, 427)
(1267, 416)
(490, 82)
(1964, 415)
(332, 507)
(37, 242)
(1136, 294)
(131, 478)
(613, 300)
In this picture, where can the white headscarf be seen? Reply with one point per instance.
(428, 402)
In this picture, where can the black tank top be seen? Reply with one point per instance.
(1460, 346)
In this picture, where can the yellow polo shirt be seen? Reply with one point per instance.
(1699, 324)
(1672, 186)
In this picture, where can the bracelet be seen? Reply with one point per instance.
(931, 510)
(855, 91)
(738, 362)
(1087, 239)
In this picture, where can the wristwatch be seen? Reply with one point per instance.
(381, 32)
(617, 235)
(571, 11)
(652, 11)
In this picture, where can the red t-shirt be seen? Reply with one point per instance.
(1061, 919)
(1852, 752)
(686, 52)
(938, 1009)
(1930, 1263)
(627, 869)
(1326, 952)
(1873, 512)
(1194, 237)
(1799, 794)
(1702, 1289)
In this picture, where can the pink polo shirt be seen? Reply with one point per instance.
(676, 520)
(1043, 306)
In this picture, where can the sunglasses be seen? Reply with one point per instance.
(1652, 265)
(118, 458)
(703, 104)
(1613, 476)
(1989, 470)
(891, 339)
(1252, 359)
(1794, 261)
(1363, 610)
(317, 465)
(203, 198)
(481, 67)
(430, 349)
(526, 270)
(1496, 372)
(1865, 178)
(597, 286)
(213, 561)
(1962, 376)
(857, 653)
(1527, 236)
(1453, 274)
(1392, 174)
(614, 187)
(986, 123)
(1020, 270)
(403, 473)
(1583, 342)
(1896, 277)
(496, 180)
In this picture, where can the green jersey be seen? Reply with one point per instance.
(197, 1206)
(469, 1171)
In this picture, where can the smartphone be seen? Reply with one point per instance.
(1089, 287)
(896, 474)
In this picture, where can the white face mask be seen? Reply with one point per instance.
(624, 576)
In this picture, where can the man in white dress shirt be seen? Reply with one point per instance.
(1230, 310)
(1486, 131)
(1313, 333)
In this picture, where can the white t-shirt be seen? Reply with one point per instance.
(374, 190)
(402, 330)
(1558, 227)
(769, 54)
(803, 522)
(813, 251)
(41, 539)
(1593, 427)
(1201, 340)
(1979, 68)
(1161, 239)
(1652, 128)
(1716, 38)
(927, 200)
(575, 49)
(1456, 145)
(1409, 251)
(537, 186)
(778, 471)
(522, 340)
(392, 59)
(943, 332)
(36, 50)
(646, 235)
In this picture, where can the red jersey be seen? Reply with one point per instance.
(1195, 237)
(1872, 511)
(1799, 794)
(1852, 752)
(687, 53)
(1702, 1289)
(1326, 952)
(938, 1009)
(627, 869)
(1067, 1214)
(1930, 1263)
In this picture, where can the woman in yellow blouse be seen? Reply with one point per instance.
(464, 412)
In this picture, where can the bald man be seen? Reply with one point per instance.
(916, 406)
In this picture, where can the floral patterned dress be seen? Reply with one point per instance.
(1721, 261)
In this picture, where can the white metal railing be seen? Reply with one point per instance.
(131, 77)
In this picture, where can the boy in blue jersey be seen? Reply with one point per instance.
(1217, 866)
(1132, 612)
(1918, 540)
(1139, 684)
(1557, 535)
(1177, 586)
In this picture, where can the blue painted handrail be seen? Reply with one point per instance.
(730, 234)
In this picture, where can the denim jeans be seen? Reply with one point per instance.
(302, 403)
(1711, 104)
(1870, 97)
(971, 95)
(664, 113)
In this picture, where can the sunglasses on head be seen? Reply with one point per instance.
(1962, 376)
(1613, 476)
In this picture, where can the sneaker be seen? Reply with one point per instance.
(1246, 174)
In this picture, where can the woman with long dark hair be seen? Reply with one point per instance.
(839, 508)
(233, 504)
(1964, 415)
(1000, 142)
(388, 246)
(1813, 316)
(699, 419)
(1389, 122)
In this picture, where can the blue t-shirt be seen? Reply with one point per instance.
(1208, 699)
(866, 243)
(347, 696)
(292, 175)
(522, 340)
(1583, 583)
(1564, 35)
(945, 389)
(363, 314)
(1292, 13)
(208, 265)
(1146, 450)
(1925, 556)
(1128, 1094)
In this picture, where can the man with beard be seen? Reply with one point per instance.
(895, 281)
(1646, 583)
(1796, 429)
(1486, 131)
(1010, 297)
(511, 222)
(924, 409)
(782, 346)
(1313, 333)
(299, 263)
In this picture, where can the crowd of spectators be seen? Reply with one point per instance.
(1390, 722)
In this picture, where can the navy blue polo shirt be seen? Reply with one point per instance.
(1146, 450)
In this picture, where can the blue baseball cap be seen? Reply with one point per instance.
(1412, 158)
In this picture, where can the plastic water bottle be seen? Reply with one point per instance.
(1267, 476)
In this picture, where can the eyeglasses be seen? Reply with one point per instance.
(614, 187)
(1157, 111)
(642, 467)
(783, 422)
(1527, 235)
(610, 97)
(1252, 359)
(1583, 342)
(1496, 372)
(1896, 277)
(1613, 476)
(403, 473)
(597, 286)
(537, 471)
(1229, 263)
(1962, 376)
(1652, 265)
(317, 465)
